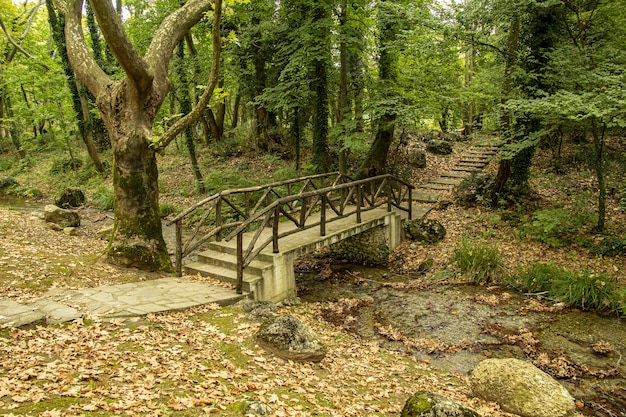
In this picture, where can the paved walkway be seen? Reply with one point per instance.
(125, 300)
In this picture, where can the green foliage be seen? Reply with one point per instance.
(481, 262)
(582, 289)
(557, 227)
(610, 246)
(475, 190)
(63, 165)
(538, 277)
(165, 209)
(586, 290)
(103, 198)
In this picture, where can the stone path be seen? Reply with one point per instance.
(166, 294)
(125, 300)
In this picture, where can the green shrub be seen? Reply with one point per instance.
(610, 246)
(483, 263)
(537, 278)
(475, 190)
(63, 165)
(584, 289)
(165, 209)
(102, 198)
(557, 227)
(587, 290)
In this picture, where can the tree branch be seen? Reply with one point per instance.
(122, 48)
(17, 46)
(83, 63)
(173, 28)
(178, 127)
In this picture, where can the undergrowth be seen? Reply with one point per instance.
(479, 261)
(581, 289)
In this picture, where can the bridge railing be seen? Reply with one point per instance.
(212, 217)
(342, 198)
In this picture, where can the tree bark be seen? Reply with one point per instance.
(128, 107)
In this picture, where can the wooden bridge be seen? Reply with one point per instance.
(251, 236)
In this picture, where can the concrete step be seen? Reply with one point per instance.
(225, 247)
(447, 181)
(464, 169)
(436, 186)
(229, 261)
(426, 197)
(222, 274)
(456, 174)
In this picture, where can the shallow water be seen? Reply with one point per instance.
(464, 324)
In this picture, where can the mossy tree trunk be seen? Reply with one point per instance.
(128, 107)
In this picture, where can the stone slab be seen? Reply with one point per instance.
(55, 312)
(426, 197)
(13, 314)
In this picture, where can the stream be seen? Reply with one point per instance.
(453, 327)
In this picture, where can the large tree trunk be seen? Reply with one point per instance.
(128, 107)
(137, 239)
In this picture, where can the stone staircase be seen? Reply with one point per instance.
(474, 159)
(219, 261)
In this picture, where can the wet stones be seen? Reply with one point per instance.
(61, 217)
(427, 404)
(521, 388)
(288, 337)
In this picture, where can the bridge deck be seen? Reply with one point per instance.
(304, 241)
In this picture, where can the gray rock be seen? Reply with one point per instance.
(521, 388)
(417, 159)
(55, 312)
(423, 230)
(258, 408)
(369, 247)
(105, 233)
(427, 404)
(62, 217)
(70, 231)
(70, 197)
(289, 338)
(439, 147)
(258, 310)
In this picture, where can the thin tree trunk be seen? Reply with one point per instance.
(343, 85)
(235, 118)
(185, 108)
(599, 142)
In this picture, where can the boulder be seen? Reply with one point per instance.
(423, 230)
(61, 217)
(70, 231)
(417, 159)
(427, 404)
(258, 310)
(6, 183)
(439, 147)
(288, 337)
(70, 197)
(105, 233)
(521, 388)
(258, 408)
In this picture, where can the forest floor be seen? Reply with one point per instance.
(204, 360)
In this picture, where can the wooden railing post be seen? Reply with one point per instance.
(323, 216)
(218, 219)
(239, 285)
(388, 191)
(179, 248)
(359, 203)
(303, 210)
(410, 203)
(275, 230)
